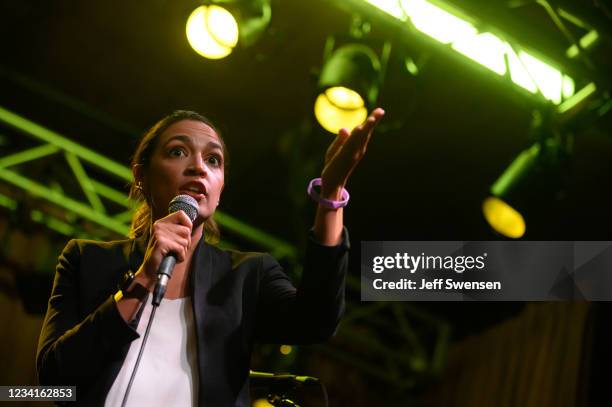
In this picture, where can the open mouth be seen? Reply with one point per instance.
(195, 190)
(197, 195)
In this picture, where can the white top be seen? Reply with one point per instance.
(168, 370)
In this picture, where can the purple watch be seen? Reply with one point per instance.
(328, 203)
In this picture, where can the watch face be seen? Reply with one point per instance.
(127, 280)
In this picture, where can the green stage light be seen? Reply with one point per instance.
(448, 26)
(348, 87)
(548, 79)
(436, 22)
(484, 49)
(392, 8)
(499, 208)
(536, 171)
(216, 28)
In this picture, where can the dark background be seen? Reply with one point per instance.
(102, 72)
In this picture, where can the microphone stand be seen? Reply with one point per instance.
(279, 385)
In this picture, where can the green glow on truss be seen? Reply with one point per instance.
(278, 247)
(110, 193)
(26, 126)
(27, 155)
(519, 73)
(8, 202)
(548, 79)
(52, 223)
(485, 49)
(86, 185)
(582, 94)
(392, 8)
(568, 87)
(437, 23)
(585, 43)
(41, 191)
(124, 217)
(488, 49)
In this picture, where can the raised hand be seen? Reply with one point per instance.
(344, 154)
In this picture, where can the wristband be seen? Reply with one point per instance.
(328, 203)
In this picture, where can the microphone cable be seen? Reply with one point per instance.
(142, 346)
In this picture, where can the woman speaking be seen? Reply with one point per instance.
(216, 304)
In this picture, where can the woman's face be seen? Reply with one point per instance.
(188, 159)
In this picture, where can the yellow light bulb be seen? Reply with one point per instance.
(503, 218)
(338, 108)
(344, 98)
(212, 31)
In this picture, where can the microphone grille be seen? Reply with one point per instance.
(186, 204)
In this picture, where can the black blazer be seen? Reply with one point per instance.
(238, 299)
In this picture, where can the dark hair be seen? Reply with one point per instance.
(141, 221)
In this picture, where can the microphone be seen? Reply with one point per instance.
(283, 382)
(188, 205)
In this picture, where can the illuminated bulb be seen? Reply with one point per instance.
(212, 32)
(261, 403)
(338, 108)
(503, 218)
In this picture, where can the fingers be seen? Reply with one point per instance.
(174, 245)
(372, 120)
(360, 135)
(338, 142)
(342, 134)
(180, 217)
(171, 234)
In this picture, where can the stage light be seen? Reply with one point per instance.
(216, 28)
(348, 87)
(534, 175)
(212, 31)
(449, 26)
(437, 23)
(262, 403)
(333, 116)
(503, 218)
(548, 79)
(285, 349)
(484, 49)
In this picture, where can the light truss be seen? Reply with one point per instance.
(495, 51)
